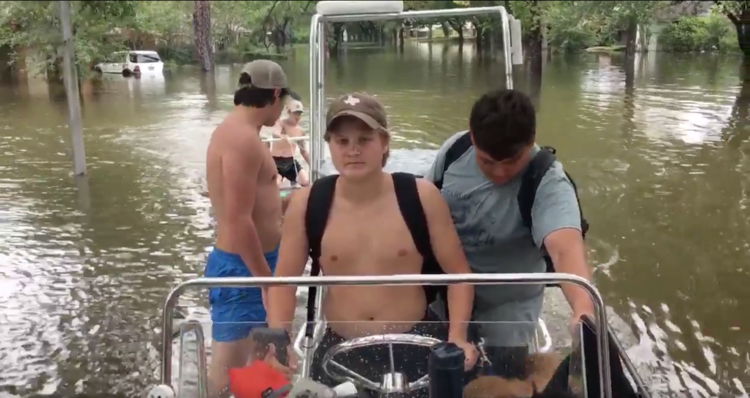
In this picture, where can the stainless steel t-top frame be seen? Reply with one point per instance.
(318, 56)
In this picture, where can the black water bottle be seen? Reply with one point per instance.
(446, 369)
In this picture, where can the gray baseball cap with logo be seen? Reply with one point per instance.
(265, 74)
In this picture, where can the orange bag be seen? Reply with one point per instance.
(258, 380)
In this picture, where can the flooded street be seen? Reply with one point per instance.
(662, 170)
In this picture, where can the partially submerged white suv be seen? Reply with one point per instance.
(132, 62)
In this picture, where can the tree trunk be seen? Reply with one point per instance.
(534, 52)
(630, 47)
(202, 32)
(535, 38)
(446, 29)
(743, 32)
(338, 37)
(630, 37)
(458, 27)
(479, 35)
(208, 88)
(735, 132)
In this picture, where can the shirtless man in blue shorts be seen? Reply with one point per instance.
(241, 177)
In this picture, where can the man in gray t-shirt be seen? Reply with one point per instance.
(481, 187)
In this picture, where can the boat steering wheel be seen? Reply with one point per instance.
(392, 382)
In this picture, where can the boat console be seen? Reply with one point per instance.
(390, 360)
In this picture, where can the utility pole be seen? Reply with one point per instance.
(70, 76)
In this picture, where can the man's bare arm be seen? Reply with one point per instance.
(556, 227)
(240, 168)
(450, 255)
(293, 255)
(277, 130)
(302, 145)
(568, 253)
(285, 201)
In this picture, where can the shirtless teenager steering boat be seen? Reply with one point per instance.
(283, 149)
(241, 178)
(366, 234)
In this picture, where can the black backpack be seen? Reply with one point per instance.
(316, 217)
(530, 181)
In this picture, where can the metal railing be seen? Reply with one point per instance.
(200, 342)
(394, 280)
(290, 139)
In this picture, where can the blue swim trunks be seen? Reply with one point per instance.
(235, 311)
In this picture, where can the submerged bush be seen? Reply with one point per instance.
(568, 32)
(695, 34)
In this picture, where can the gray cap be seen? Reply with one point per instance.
(265, 74)
(362, 106)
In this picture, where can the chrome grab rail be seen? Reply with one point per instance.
(290, 139)
(194, 326)
(394, 280)
(547, 338)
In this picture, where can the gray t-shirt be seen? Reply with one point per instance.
(495, 240)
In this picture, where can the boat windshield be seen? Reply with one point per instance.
(518, 356)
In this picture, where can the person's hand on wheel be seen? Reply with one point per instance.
(271, 359)
(471, 354)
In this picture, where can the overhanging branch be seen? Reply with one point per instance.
(729, 14)
(268, 16)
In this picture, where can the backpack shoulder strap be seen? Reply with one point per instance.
(405, 185)
(584, 223)
(414, 216)
(530, 181)
(456, 150)
(316, 216)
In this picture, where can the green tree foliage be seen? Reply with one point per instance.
(35, 25)
(570, 28)
(103, 27)
(694, 34)
(241, 27)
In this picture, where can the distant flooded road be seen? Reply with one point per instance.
(662, 169)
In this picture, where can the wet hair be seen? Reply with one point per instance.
(255, 97)
(502, 123)
(337, 122)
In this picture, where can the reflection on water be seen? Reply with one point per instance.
(661, 168)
